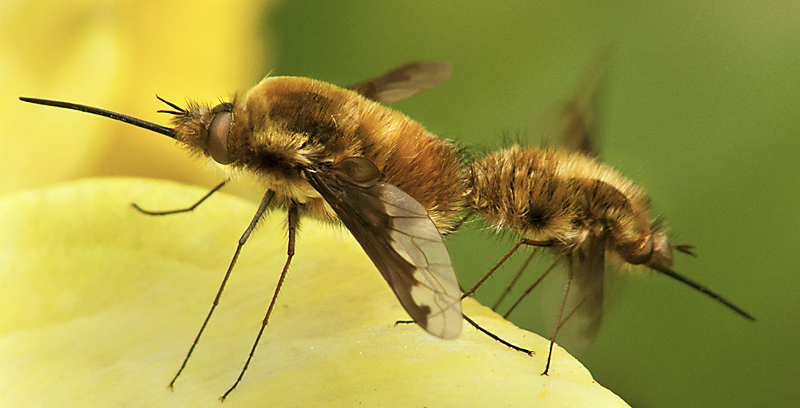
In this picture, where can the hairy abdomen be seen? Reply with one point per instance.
(567, 197)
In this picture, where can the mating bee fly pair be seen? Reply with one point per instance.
(338, 154)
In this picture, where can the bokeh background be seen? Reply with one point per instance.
(702, 109)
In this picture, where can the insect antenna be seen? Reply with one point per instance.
(686, 249)
(178, 110)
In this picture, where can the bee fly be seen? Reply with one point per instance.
(585, 211)
(338, 154)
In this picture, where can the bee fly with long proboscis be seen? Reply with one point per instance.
(586, 212)
(337, 154)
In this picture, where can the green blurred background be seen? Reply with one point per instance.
(702, 110)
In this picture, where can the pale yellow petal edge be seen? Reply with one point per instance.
(101, 304)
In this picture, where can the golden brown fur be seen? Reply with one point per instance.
(299, 122)
(567, 197)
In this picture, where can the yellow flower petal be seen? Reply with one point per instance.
(115, 55)
(100, 304)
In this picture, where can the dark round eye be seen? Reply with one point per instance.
(218, 133)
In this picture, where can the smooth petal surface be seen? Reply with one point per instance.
(100, 304)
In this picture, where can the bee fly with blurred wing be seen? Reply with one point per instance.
(585, 211)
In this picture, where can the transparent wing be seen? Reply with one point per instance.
(583, 311)
(404, 82)
(589, 282)
(402, 241)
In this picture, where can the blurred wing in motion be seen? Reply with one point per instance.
(589, 282)
(404, 82)
(583, 311)
(578, 121)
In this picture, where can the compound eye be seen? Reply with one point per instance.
(218, 133)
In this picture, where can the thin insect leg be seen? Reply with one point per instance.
(560, 312)
(484, 331)
(293, 221)
(530, 288)
(504, 259)
(259, 213)
(497, 338)
(572, 312)
(180, 210)
(178, 109)
(514, 280)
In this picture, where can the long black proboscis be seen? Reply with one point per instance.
(674, 275)
(102, 112)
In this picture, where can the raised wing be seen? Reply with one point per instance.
(579, 119)
(400, 239)
(404, 82)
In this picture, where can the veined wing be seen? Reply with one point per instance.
(400, 239)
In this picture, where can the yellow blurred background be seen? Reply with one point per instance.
(702, 110)
(116, 55)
